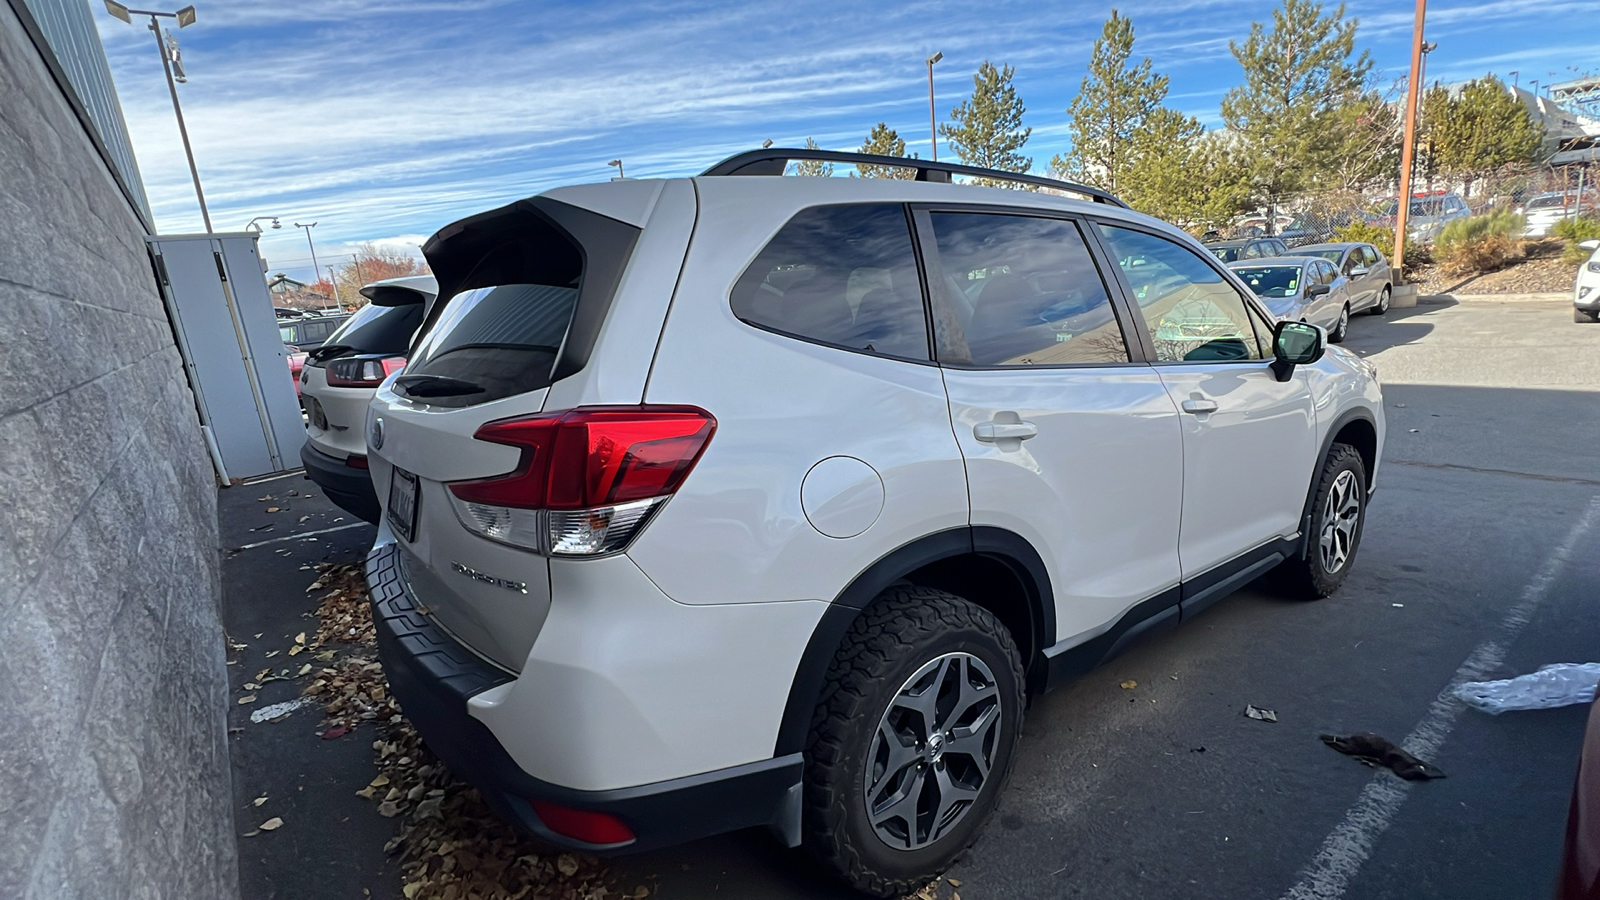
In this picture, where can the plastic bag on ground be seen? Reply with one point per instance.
(1558, 684)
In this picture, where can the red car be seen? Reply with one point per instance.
(297, 361)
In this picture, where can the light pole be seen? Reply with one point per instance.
(933, 127)
(314, 265)
(252, 223)
(618, 164)
(169, 50)
(1407, 152)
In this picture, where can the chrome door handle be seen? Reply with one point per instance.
(989, 432)
(1199, 407)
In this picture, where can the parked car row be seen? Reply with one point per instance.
(724, 502)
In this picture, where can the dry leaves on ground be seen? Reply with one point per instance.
(450, 845)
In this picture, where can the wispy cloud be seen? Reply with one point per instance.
(395, 117)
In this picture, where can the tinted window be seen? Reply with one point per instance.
(842, 275)
(1191, 311)
(1226, 254)
(1270, 281)
(1323, 254)
(1020, 291)
(378, 329)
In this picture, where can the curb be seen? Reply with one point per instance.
(1547, 297)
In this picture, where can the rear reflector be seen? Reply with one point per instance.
(583, 825)
(356, 461)
(588, 479)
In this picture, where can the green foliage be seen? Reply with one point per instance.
(1574, 231)
(1364, 232)
(816, 168)
(986, 129)
(885, 141)
(1298, 76)
(1482, 127)
(1481, 243)
(1110, 114)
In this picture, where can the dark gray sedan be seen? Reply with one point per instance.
(1371, 280)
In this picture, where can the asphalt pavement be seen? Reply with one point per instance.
(1479, 559)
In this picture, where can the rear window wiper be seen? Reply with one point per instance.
(437, 386)
(328, 351)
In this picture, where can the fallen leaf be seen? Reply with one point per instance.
(260, 633)
(251, 833)
(272, 824)
(381, 780)
(1264, 715)
(954, 882)
(1129, 685)
(304, 670)
(259, 800)
(272, 653)
(366, 792)
(300, 638)
(337, 731)
(272, 509)
(389, 809)
(567, 864)
(411, 889)
(251, 698)
(296, 649)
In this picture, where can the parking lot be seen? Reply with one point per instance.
(1479, 561)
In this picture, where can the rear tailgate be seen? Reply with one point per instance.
(532, 297)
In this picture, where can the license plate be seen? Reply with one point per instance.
(403, 504)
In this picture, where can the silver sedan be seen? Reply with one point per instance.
(1371, 279)
(1301, 289)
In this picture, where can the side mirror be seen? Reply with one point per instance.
(1295, 344)
(1358, 271)
(1317, 290)
(1590, 244)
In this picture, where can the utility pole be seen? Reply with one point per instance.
(933, 127)
(1403, 204)
(315, 265)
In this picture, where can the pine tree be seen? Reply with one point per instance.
(813, 168)
(885, 141)
(1477, 130)
(987, 127)
(1297, 77)
(1111, 111)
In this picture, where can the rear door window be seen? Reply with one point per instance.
(845, 276)
(1020, 291)
(375, 329)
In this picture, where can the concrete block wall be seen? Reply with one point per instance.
(114, 777)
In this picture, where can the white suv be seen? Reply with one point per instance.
(728, 501)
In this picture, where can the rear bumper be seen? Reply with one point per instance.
(345, 485)
(433, 676)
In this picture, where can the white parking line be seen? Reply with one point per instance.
(1350, 843)
(298, 536)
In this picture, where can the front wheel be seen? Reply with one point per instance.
(1338, 513)
(912, 743)
(1337, 333)
(1382, 306)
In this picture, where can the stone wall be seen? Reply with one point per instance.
(114, 778)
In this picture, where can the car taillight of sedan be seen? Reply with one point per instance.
(363, 371)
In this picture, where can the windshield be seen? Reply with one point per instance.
(1329, 255)
(378, 329)
(1271, 281)
(1556, 202)
(1226, 254)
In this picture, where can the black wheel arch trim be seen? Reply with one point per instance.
(1008, 548)
(1359, 413)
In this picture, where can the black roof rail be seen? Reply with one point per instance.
(775, 160)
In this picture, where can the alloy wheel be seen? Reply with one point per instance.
(1341, 512)
(933, 751)
(1383, 302)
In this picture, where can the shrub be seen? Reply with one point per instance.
(1478, 244)
(1574, 231)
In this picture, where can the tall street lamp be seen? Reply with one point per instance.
(168, 49)
(1408, 150)
(933, 128)
(314, 264)
(618, 164)
(252, 223)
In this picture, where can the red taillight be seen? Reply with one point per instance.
(356, 461)
(583, 825)
(595, 456)
(363, 371)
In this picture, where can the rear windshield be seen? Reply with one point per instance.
(376, 329)
(1329, 255)
(1271, 281)
(528, 286)
(1226, 254)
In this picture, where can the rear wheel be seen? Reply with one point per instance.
(1336, 335)
(1382, 306)
(912, 743)
(1338, 512)
(1582, 315)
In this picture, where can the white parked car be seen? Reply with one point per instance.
(339, 378)
(749, 500)
(1586, 292)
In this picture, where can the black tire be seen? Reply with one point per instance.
(1580, 315)
(1337, 337)
(1310, 575)
(903, 631)
(1382, 306)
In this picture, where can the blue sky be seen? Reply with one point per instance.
(385, 120)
